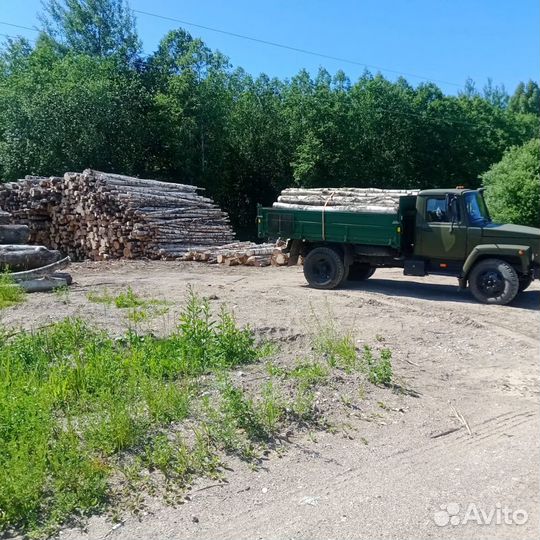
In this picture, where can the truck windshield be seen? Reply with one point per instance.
(476, 208)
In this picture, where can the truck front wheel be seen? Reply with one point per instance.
(493, 281)
(324, 268)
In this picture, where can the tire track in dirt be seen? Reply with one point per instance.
(403, 464)
(426, 309)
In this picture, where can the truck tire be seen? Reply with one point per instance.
(524, 282)
(324, 268)
(360, 271)
(493, 281)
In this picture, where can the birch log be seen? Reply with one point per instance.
(371, 200)
(99, 215)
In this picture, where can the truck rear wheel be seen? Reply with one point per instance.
(360, 271)
(493, 281)
(324, 268)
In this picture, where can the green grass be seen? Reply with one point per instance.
(10, 292)
(74, 402)
(379, 370)
(88, 420)
(339, 350)
(335, 346)
(139, 309)
(123, 300)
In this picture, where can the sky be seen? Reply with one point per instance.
(444, 41)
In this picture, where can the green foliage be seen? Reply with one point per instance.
(10, 292)
(123, 300)
(309, 374)
(337, 348)
(271, 408)
(83, 97)
(379, 370)
(239, 410)
(73, 400)
(139, 309)
(513, 186)
(206, 342)
(67, 112)
(94, 27)
(303, 404)
(526, 99)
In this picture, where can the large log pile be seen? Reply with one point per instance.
(342, 199)
(98, 215)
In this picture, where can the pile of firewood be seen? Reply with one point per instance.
(34, 268)
(98, 215)
(241, 253)
(342, 199)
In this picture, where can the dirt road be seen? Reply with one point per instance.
(391, 477)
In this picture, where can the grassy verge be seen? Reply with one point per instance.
(88, 420)
(10, 292)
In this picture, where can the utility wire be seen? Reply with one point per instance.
(291, 48)
(425, 115)
(19, 26)
(270, 43)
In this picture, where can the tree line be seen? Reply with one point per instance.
(83, 95)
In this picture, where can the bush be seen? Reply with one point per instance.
(513, 186)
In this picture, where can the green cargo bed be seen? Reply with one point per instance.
(368, 228)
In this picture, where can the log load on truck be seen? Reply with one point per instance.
(435, 231)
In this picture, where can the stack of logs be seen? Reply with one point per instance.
(99, 215)
(342, 199)
(241, 253)
(34, 268)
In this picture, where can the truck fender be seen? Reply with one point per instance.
(521, 254)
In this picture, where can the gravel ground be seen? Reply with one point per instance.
(389, 475)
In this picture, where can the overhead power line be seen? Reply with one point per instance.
(271, 44)
(425, 115)
(19, 26)
(292, 48)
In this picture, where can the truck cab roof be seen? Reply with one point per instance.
(436, 192)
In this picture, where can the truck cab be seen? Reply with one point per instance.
(455, 235)
(436, 231)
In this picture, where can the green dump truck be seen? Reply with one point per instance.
(438, 231)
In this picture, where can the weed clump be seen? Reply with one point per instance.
(11, 293)
(379, 370)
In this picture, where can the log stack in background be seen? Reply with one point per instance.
(98, 215)
(242, 253)
(342, 199)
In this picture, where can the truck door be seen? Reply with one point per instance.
(441, 231)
